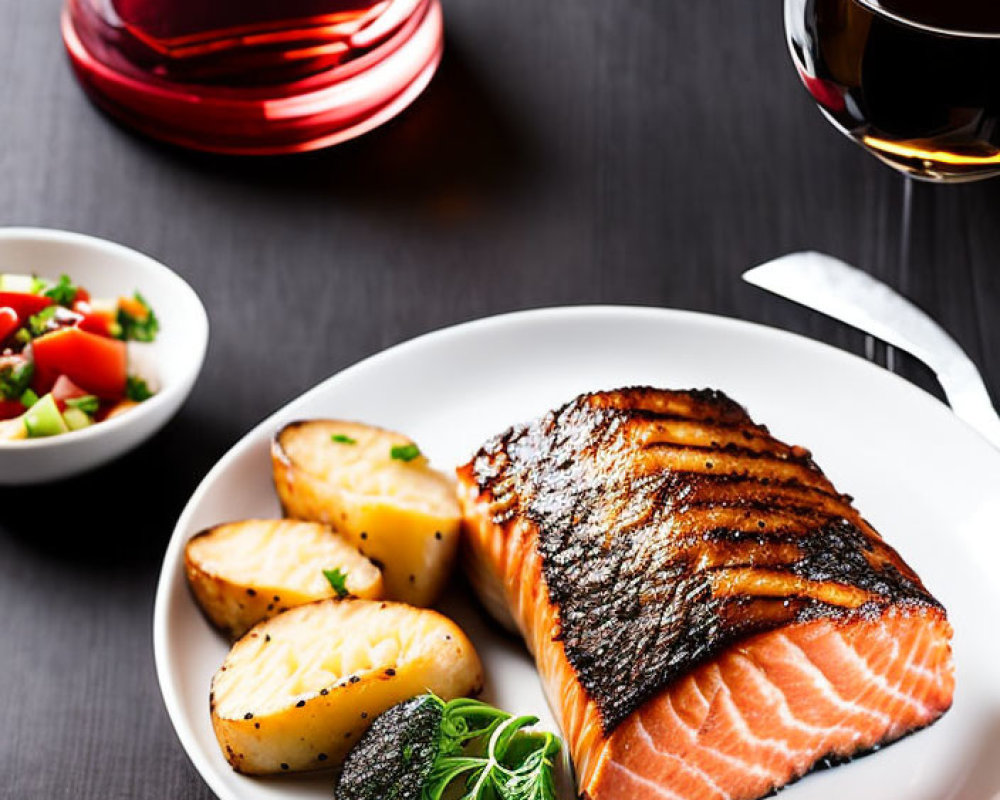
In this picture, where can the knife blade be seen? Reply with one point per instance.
(831, 287)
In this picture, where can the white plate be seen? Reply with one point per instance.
(927, 482)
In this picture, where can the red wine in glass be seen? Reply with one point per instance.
(253, 76)
(916, 82)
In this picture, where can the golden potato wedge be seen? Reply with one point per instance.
(296, 692)
(400, 513)
(243, 572)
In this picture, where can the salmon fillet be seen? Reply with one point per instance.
(710, 618)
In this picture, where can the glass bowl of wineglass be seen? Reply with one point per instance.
(253, 76)
(913, 81)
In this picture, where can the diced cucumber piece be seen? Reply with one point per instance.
(44, 419)
(25, 284)
(76, 419)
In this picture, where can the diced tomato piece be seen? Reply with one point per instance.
(102, 322)
(94, 363)
(43, 380)
(9, 322)
(96, 322)
(10, 409)
(24, 304)
(82, 295)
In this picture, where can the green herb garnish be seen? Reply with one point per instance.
(14, 380)
(338, 580)
(39, 323)
(426, 749)
(135, 327)
(23, 336)
(341, 438)
(37, 285)
(137, 389)
(63, 293)
(28, 398)
(88, 404)
(405, 452)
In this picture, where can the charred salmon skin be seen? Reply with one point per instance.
(710, 618)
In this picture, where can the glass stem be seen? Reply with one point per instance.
(902, 268)
(906, 235)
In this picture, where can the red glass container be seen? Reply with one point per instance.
(253, 76)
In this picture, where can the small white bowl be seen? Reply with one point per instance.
(174, 360)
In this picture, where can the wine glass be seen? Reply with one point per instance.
(912, 81)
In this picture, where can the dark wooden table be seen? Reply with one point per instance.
(575, 151)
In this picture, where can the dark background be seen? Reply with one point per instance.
(569, 151)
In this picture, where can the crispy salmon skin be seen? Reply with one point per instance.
(709, 616)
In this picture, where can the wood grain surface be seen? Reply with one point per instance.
(572, 151)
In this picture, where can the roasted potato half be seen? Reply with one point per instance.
(243, 572)
(377, 489)
(297, 691)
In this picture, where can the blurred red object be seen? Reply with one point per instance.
(826, 93)
(253, 76)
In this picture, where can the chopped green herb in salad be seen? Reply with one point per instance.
(39, 324)
(15, 379)
(136, 389)
(88, 404)
(136, 320)
(62, 293)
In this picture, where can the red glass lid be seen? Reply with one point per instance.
(237, 76)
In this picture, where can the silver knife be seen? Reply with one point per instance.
(830, 286)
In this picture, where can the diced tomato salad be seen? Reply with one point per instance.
(63, 356)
